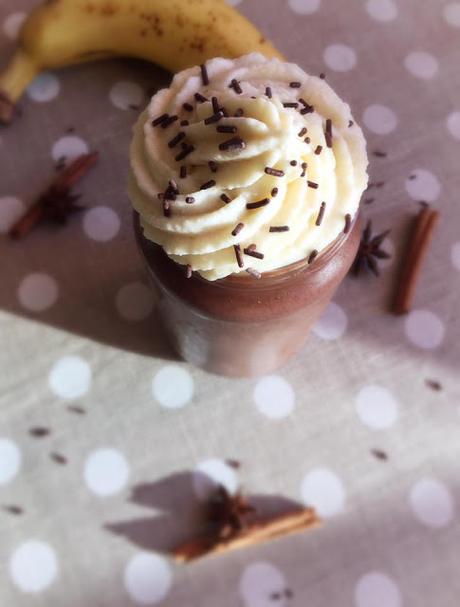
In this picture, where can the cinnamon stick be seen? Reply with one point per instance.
(60, 186)
(280, 526)
(417, 249)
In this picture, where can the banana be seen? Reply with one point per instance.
(175, 34)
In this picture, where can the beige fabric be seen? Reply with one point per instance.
(391, 536)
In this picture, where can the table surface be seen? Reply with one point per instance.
(108, 444)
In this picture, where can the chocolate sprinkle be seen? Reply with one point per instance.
(302, 132)
(214, 118)
(226, 128)
(184, 153)
(188, 271)
(184, 122)
(313, 255)
(258, 204)
(307, 139)
(235, 143)
(274, 172)
(238, 255)
(208, 184)
(160, 119)
(347, 227)
(322, 75)
(39, 432)
(189, 199)
(350, 123)
(307, 108)
(254, 273)
(233, 463)
(322, 210)
(183, 172)
(295, 85)
(237, 229)
(252, 253)
(318, 149)
(434, 384)
(380, 154)
(188, 107)
(290, 104)
(328, 133)
(235, 85)
(58, 458)
(239, 112)
(274, 192)
(379, 454)
(279, 229)
(312, 184)
(17, 510)
(177, 139)
(212, 166)
(200, 98)
(215, 104)
(225, 198)
(304, 169)
(268, 92)
(169, 121)
(204, 74)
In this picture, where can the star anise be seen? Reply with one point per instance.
(228, 513)
(369, 251)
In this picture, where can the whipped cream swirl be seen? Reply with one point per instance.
(196, 174)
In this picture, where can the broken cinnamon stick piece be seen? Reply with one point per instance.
(417, 249)
(280, 526)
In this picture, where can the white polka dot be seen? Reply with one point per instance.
(423, 185)
(339, 57)
(106, 471)
(304, 7)
(376, 589)
(33, 566)
(101, 223)
(44, 88)
(332, 324)
(11, 209)
(455, 255)
(382, 10)
(323, 490)
(211, 473)
(259, 582)
(380, 119)
(432, 503)
(173, 387)
(125, 94)
(451, 13)
(134, 301)
(70, 377)
(274, 397)
(422, 65)
(12, 24)
(424, 329)
(69, 147)
(10, 460)
(453, 124)
(148, 578)
(38, 292)
(376, 407)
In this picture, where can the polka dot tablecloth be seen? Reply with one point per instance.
(109, 445)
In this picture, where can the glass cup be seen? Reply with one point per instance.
(240, 326)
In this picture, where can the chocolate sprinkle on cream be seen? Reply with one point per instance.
(238, 255)
(328, 133)
(184, 153)
(295, 85)
(289, 104)
(200, 98)
(204, 74)
(254, 273)
(293, 163)
(188, 271)
(307, 139)
(252, 253)
(237, 229)
(274, 172)
(235, 85)
(215, 104)
(322, 75)
(313, 255)
(350, 123)
(307, 108)
(268, 92)
(322, 210)
(225, 198)
(318, 149)
(274, 192)
(312, 184)
(208, 184)
(177, 139)
(347, 227)
(302, 132)
(226, 128)
(160, 119)
(58, 458)
(169, 121)
(214, 118)
(258, 204)
(188, 107)
(235, 143)
(278, 229)
(304, 169)
(184, 122)
(183, 172)
(189, 199)
(212, 166)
